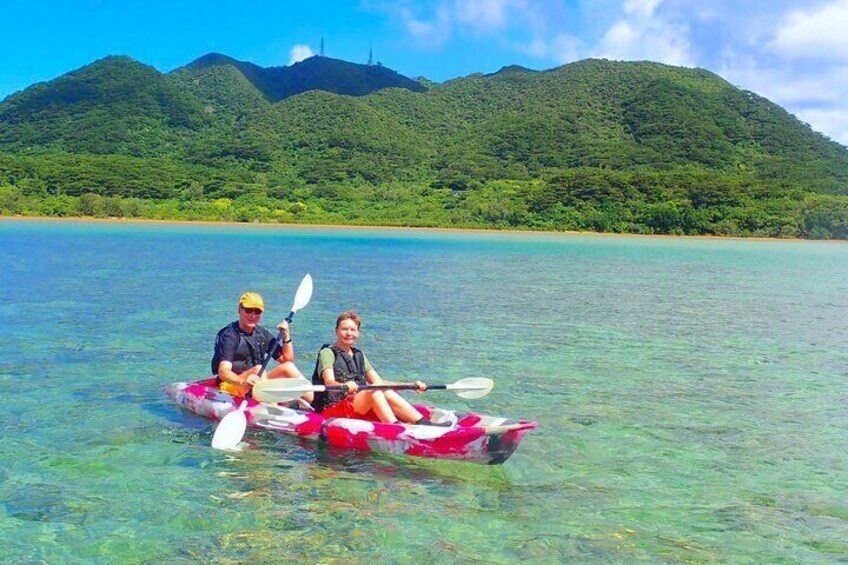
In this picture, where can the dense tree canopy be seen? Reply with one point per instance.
(595, 145)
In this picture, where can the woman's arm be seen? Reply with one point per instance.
(329, 377)
(373, 377)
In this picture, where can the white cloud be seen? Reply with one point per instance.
(538, 48)
(566, 48)
(771, 82)
(645, 7)
(563, 48)
(418, 28)
(820, 33)
(620, 36)
(482, 16)
(643, 35)
(434, 32)
(485, 13)
(299, 52)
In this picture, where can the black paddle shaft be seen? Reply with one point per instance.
(275, 343)
(404, 386)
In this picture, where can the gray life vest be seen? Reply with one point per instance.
(250, 351)
(345, 368)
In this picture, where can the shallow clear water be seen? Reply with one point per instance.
(692, 397)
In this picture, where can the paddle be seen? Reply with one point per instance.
(231, 429)
(283, 390)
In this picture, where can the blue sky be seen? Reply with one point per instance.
(794, 52)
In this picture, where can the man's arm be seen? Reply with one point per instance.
(226, 373)
(286, 347)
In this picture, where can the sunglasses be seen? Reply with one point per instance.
(256, 311)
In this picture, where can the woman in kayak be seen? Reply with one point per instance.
(342, 363)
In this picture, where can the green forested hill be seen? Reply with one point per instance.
(223, 90)
(113, 106)
(594, 145)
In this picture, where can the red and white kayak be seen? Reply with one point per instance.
(471, 437)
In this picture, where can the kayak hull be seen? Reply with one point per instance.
(471, 437)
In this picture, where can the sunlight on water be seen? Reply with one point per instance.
(691, 396)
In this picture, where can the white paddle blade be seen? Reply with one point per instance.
(282, 390)
(230, 431)
(472, 388)
(303, 294)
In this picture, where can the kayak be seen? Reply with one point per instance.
(470, 437)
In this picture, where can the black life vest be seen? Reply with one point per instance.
(345, 368)
(250, 351)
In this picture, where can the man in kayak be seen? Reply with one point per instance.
(241, 347)
(342, 363)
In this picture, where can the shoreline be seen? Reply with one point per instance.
(511, 231)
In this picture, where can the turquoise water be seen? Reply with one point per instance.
(692, 397)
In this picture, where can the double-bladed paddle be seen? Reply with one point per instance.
(231, 429)
(283, 390)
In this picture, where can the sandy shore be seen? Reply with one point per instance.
(326, 227)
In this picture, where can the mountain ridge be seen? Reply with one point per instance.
(314, 73)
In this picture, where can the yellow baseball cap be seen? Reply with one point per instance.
(251, 300)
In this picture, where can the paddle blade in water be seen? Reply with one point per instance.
(230, 431)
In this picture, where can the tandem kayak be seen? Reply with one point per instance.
(471, 437)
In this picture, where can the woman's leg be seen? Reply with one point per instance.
(404, 411)
(374, 400)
